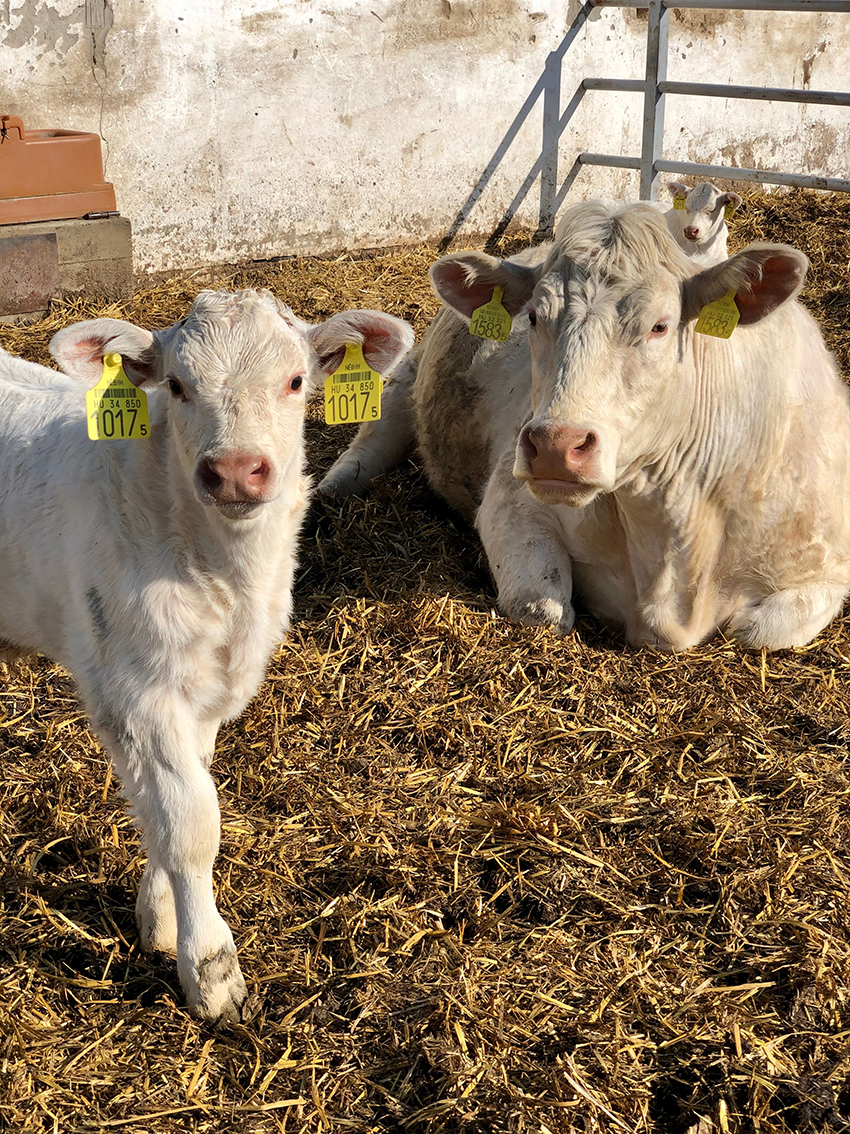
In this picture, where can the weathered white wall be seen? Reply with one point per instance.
(238, 129)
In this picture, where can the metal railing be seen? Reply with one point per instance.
(655, 89)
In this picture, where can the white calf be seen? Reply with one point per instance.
(160, 571)
(700, 227)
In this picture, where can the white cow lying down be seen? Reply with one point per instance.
(683, 483)
(160, 571)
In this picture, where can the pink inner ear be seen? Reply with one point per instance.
(85, 350)
(780, 277)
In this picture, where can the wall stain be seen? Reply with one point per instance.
(48, 31)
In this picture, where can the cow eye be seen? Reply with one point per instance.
(658, 330)
(532, 318)
(295, 384)
(176, 389)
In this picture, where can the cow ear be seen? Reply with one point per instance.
(763, 277)
(677, 189)
(385, 339)
(465, 281)
(79, 350)
(731, 199)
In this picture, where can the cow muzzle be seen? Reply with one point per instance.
(237, 483)
(691, 232)
(559, 462)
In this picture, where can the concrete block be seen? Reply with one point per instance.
(51, 259)
(29, 272)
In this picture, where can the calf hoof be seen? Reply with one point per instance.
(344, 482)
(215, 988)
(557, 616)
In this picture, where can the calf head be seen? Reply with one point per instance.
(704, 209)
(608, 314)
(238, 371)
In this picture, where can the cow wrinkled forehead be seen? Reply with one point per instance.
(703, 198)
(609, 262)
(242, 334)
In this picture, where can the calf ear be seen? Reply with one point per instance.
(465, 281)
(731, 199)
(763, 277)
(79, 350)
(385, 339)
(677, 189)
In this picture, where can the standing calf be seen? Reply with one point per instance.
(160, 571)
(683, 483)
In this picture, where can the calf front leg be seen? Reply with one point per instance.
(527, 557)
(787, 618)
(161, 757)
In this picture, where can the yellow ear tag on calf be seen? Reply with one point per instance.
(353, 391)
(679, 202)
(116, 409)
(491, 321)
(729, 210)
(719, 318)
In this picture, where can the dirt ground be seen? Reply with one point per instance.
(481, 879)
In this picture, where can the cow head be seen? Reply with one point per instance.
(608, 315)
(704, 209)
(237, 372)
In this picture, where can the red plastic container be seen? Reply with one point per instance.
(50, 174)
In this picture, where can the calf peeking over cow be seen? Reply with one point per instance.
(680, 483)
(160, 571)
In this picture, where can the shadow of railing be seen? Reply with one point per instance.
(546, 166)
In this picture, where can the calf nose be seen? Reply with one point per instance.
(691, 233)
(236, 478)
(558, 452)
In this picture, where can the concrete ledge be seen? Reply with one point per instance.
(55, 259)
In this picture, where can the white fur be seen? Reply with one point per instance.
(704, 216)
(715, 496)
(165, 607)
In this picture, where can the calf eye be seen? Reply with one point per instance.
(176, 389)
(532, 318)
(295, 384)
(658, 330)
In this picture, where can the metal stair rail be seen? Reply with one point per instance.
(655, 89)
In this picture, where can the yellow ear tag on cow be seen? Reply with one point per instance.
(116, 409)
(679, 202)
(491, 321)
(719, 318)
(729, 210)
(353, 391)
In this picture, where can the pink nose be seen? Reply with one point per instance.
(691, 233)
(236, 478)
(558, 452)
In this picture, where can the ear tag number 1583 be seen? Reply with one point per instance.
(491, 320)
(353, 391)
(116, 409)
(719, 318)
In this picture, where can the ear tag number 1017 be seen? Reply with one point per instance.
(491, 320)
(353, 391)
(719, 318)
(679, 202)
(116, 409)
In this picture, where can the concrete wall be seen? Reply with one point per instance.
(238, 129)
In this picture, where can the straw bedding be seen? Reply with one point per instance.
(481, 879)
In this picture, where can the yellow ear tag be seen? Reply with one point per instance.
(116, 409)
(353, 391)
(679, 202)
(729, 210)
(719, 318)
(491, 321)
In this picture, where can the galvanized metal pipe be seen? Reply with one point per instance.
(731, 173)
(723, 90)
(652, 139)
(836, 6)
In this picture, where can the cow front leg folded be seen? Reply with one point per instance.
(527, 557)
(162, 765)
(787, 618)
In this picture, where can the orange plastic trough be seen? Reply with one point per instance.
(50, 174)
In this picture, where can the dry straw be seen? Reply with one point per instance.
(481, 879)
